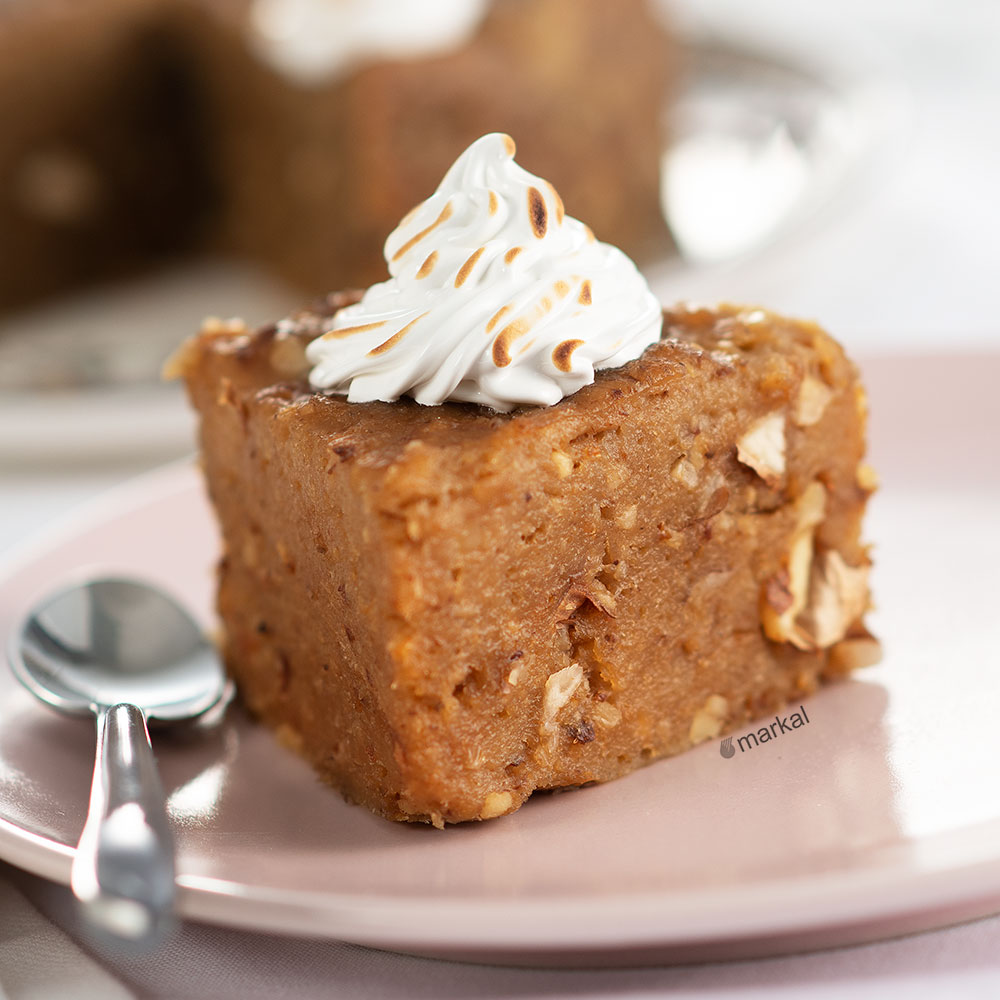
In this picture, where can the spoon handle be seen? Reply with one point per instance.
(123, 871)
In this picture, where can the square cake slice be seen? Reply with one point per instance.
(446, 608)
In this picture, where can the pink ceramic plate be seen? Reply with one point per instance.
(882, 815)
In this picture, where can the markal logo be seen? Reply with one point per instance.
(781, 724)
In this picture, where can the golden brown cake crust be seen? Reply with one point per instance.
(445, 608)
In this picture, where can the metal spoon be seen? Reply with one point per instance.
(122, 651)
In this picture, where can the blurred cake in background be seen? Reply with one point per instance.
(297, 132)
(106, 160)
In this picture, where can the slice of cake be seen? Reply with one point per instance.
(444, 606)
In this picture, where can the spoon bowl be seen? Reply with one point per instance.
(113, 641)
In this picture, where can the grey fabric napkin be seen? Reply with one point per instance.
(39, 962)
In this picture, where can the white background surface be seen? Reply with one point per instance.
(914, 262)
(912, 266)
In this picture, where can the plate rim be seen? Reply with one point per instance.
(627, 920)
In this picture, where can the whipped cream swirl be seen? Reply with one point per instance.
(496, 297)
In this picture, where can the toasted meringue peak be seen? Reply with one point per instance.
(496, 297)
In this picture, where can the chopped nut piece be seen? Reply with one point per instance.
(515, 675)
(838, 596)
(810, 507)
(704, 727)
(853, 653)
(861, 401)
(563, 463)
(716, 502)
(684, 472)
(709, 719)
(867, 477)
(599, 595)
(595, 592)
(762, 448)
(779, 375)
(785, 595)
(717, 705)
(606, 714)
(496, 804)
(627, 518)
(814, 395)
(559, 688)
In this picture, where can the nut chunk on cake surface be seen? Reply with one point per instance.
(596, 534)
(446, 608)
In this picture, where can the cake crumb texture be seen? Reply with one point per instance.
(452, 608)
